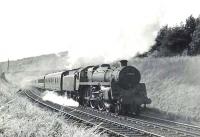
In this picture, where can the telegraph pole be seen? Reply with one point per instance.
(8, 66)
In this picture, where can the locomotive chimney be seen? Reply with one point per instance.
(123, 63)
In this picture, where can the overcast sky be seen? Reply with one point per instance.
(111, 29)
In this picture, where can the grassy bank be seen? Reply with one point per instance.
(173, 84)
(22, 118)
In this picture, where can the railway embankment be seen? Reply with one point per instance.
(173, 84)
(20, 117)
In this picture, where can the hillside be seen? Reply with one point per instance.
(173, 84)
(23, 70)
(42, 63)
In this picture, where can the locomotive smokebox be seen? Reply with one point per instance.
(123, 63)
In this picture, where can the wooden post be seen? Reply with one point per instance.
(8, 66)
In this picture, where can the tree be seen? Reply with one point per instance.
(174, 40)
(195, 44)
(159, 39)
(177, 40)
(171, 41)
(190, 24)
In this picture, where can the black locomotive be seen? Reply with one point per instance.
(114, 89)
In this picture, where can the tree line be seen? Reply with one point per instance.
(180, 40)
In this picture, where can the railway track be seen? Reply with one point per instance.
(121, 125)
(106, 124)
(172, 124)
(160, 126)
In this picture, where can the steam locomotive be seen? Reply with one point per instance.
(114, 89)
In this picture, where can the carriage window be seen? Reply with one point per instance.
(40, 80)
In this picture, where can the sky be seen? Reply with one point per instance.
(110, 29)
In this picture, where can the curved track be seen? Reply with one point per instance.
(172, 124)
(102, 123)
(160, 126)
(120, 125)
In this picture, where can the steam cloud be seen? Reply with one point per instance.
(61, 100)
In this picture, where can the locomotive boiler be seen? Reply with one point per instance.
(103, 87)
